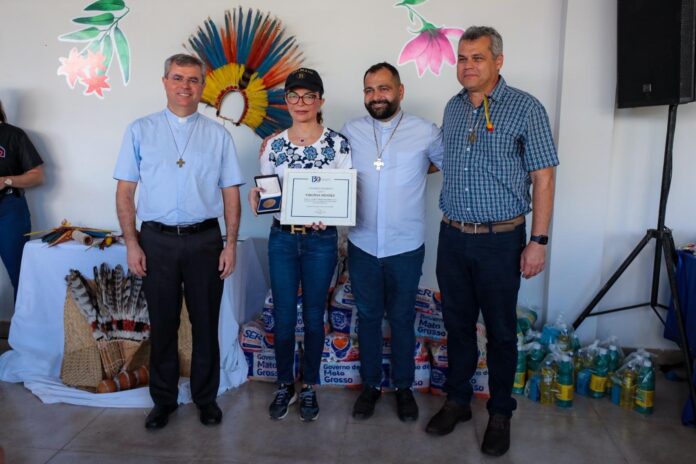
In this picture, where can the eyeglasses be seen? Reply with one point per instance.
(189, 80)
(294, 98)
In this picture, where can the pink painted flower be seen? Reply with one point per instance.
(95, 62)
(96, 83)
(430, 47)
(72, 67)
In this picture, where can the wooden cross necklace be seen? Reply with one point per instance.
(378, 162)
(180, 162)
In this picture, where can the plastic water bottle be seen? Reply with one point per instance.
(564, 381)
(535, 356)
(564, 340)
(525, 319)
(531, 390)
(628, 388)
(615, 390)
(645, 390)
(614, 360)
(600, 372)
(520, 371)
(548, 379)
(582, 383)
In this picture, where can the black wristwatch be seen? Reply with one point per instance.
(540, 239)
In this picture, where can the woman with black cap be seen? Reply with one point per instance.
(307, 257)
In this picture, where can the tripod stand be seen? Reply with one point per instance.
(664, 244)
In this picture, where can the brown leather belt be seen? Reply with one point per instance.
(484, 227)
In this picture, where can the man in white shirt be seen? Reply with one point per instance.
(393, 153)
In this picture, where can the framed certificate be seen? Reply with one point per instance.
(269, 199)
(319, 195)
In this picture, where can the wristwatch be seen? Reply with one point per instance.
(540, 239)
(8, 181)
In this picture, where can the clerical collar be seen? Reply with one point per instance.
(391, 123)
(179, 119)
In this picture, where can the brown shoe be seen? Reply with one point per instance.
(496, 441)
(447, 418)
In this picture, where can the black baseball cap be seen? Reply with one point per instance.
(304, 78)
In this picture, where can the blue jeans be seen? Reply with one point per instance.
(14, 223)
(309, 260)
(480, 272)
(386, 285)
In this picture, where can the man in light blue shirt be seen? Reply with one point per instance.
(393, 153)
(186, 167)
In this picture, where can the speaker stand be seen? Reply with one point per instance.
(664, 244)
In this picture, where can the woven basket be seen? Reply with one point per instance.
(135, 354)
(185, 343)
(87, 362)
(81, 365)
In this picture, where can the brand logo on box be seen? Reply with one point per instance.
(339, 320)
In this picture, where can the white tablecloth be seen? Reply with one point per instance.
(36, 332)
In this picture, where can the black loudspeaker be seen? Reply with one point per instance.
(656, 52)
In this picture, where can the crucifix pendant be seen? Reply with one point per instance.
(378, 163)
(472, 137)
(181, 163)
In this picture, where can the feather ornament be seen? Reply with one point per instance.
(251, 55)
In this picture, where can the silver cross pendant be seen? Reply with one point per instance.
(378, 163)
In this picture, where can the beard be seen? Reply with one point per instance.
(385, 112)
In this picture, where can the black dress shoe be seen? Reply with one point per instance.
(496, 440)
(447, 418)
(406, 406)
(210, 414)
(364, 406)
(159, 416)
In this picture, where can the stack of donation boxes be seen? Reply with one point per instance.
(340, 363)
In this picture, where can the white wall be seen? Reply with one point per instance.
(560, 51)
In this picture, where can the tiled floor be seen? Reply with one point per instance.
(593, 431)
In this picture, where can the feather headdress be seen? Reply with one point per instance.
(250, 55)
(115, 307)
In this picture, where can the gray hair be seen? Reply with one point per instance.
(182, 59)
(476, 32)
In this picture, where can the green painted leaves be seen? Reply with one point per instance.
(106, 5)
(123, 53)
(85, 35)
(103, 38)
(411, 2)
(104, 19)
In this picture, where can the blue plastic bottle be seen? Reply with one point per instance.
(600, 372)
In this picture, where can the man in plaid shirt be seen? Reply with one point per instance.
(497, 143)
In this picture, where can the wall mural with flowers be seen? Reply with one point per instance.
(431, 45)
(100, 37)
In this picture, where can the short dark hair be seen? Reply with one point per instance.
(182, 59)
(3, 117)
(476, 32)
(383, 65)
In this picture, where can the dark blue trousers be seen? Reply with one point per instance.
(310, 260)
(480, 272)
(14, 223)
(386, 285)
